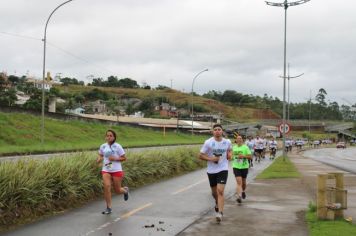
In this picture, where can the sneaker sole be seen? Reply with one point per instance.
(218, 219)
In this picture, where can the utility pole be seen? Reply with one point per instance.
(285, 5)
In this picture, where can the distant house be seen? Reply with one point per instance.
(165, 109)
(96, 107)
(38, 83)
(168, 113)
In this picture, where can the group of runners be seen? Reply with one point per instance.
(218, 151)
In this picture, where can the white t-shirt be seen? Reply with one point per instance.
(115, 150)
(259, 143)
(273, 144)
(212, 146)
(250, 144)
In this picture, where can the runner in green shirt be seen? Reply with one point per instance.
(240, 156)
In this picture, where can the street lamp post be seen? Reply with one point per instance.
(44, 69)
(290, 77)
(285, 4)
(192, 116)
(309, 110)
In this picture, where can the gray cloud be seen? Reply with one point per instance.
(156, 41)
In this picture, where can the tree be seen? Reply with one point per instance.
(112, 82)
(161, 87)
(147, 106)
(128, 83)
(29, 88)
(14, 79)
(8, 97)
(96, 94)
(35, 101)
(67, 81)
(79, 98)
(129, 109)
(97, 82)
(54, 91)
(320, 97)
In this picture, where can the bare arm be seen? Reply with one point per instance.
(99, 159)
(229, 154)
(204, 156)
(120, 158)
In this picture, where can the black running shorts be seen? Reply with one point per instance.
(259, 151)
(218, 178)
(240, 173)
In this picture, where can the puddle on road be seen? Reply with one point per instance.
(262, 206)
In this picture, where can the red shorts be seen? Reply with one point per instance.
(114, 174)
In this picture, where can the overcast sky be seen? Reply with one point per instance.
(167, 42)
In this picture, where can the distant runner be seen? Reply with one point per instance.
(259, 145)
(250, 144)
(111, 154)
(217, 151)
(272, 148)
(241, 154)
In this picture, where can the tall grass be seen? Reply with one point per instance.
(30, 188)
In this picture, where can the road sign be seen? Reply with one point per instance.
(285, 126)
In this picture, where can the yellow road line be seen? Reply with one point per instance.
(130, 213)
(189, 187)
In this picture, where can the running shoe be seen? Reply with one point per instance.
(126, 193)
(107, 211)
(219, 216)
(216, 208)
(243, 195)
(239, 200)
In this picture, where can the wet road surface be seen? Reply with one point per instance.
(164, 208)
(344, 159)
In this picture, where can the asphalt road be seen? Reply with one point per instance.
(164, 208)
(344, 159)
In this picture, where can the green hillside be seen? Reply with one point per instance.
(21, 133)
(179, 99)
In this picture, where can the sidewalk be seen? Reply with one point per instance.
(274, 207)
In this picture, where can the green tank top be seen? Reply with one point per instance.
(236, 161)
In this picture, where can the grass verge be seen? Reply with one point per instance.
(328, 228)
(280, 168)
(20, 134)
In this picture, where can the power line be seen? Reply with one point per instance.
(20, 36)
(59, 48)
